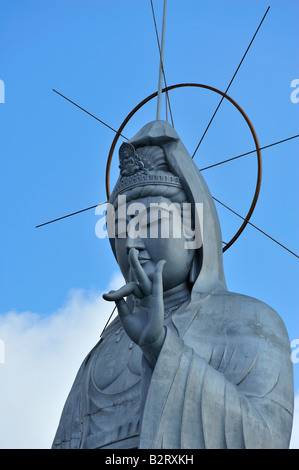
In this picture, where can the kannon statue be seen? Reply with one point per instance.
(186, 364)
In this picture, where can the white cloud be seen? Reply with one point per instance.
(42, 356)
(294, 444)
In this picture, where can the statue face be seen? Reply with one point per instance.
(152, 226)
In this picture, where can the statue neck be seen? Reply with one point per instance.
(176, 294)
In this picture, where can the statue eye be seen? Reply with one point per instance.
(121, 227)
(143, 219)
(158, 216)
(137, 226)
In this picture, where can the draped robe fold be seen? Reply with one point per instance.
(225, 385)
(222, 380)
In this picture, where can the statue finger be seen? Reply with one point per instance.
(122, 308)
(124, 291)
(139, 272)
(158, 279)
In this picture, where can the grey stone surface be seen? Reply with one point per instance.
(186, 364)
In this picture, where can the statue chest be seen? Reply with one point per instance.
(116, 365)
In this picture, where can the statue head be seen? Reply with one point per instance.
(159, 201)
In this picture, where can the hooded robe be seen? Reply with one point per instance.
(223, 378)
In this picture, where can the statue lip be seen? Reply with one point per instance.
(143, 261)
(143, 256)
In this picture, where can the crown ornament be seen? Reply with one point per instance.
(138, 169)
(132, 163)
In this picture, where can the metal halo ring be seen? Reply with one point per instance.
(215, 90)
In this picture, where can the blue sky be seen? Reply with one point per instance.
(103, 55)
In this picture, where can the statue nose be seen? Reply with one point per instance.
(135, 242)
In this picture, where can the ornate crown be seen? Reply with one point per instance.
(141, 168)
(131, 163)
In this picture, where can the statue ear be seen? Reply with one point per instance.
(195, 266)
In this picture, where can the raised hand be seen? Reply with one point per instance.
(144, 322)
